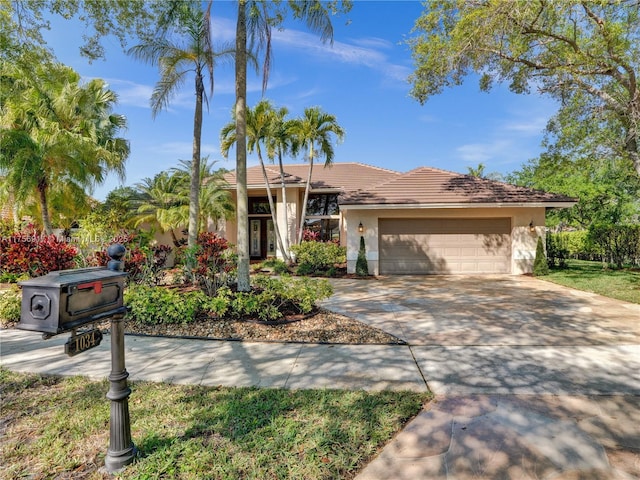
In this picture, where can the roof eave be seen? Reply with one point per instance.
(396, 206)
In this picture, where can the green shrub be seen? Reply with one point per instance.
(276, 265)
(270, 299)
(540, 265)
(619, 243)
(155, 305)
(297, 294)
(10, 305)
(220, 304)
(577, 245)
(362, 267)
(305, 269)
(8, 277)
(557, 250)
(318, 257)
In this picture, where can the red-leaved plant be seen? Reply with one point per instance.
(35, 254)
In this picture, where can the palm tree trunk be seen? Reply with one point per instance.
(194, 188)
(306, 194)
(44, 208)
(242, 202)
(272, 208)
(287, 245)
(174, 239)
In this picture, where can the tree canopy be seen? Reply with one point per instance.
(22, 23)
(584, 54)
(58, 137)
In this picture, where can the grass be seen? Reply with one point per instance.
(54, 427)
(621, 284)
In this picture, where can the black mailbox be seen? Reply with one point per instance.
(67, 299)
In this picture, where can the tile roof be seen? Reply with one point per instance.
(427, 185)
(362, 184)
(343, 177)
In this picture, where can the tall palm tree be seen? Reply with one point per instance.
(58, 136)
(314, 132)
(188, 51)
(259, 128)
(280, 143)
(255, 21)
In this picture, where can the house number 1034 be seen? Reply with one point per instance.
(82, 342)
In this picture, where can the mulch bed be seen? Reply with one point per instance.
(322, 326)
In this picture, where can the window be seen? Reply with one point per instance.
(323, 219)
(323, 229)
(259, 206)
(322, 204)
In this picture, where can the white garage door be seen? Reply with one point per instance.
(445, 245)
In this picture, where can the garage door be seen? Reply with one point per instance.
(445, 245)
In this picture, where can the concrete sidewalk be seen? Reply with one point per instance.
(231, 364)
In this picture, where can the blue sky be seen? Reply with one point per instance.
(361, 79)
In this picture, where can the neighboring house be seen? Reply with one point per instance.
(426, 221)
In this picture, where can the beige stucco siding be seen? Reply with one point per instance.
(286, 224)
(522, 240)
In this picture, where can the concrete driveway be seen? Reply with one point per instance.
(532, 380)
(503, 334)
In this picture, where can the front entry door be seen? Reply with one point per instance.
(262, 238)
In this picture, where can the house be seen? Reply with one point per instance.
(425, 221)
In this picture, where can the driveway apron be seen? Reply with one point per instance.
(532, 379)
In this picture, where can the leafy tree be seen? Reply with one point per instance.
(182, 48)
(584, 54)
(314, 132)
(607, 189)
(23, 22)
(253, 30)
(116, 207)
(58, 137)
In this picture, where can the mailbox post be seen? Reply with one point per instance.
(64, 301)
(121, 449)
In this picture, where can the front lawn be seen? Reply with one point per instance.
(592, 277)
(59, 428)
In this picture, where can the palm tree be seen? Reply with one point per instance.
(162, 201)
(280, 143)
(215, 202)
(255, 22)
(259, 128)
(477, 172)
(158, 201)
(314, 132)
(58, 137)
(190, 50)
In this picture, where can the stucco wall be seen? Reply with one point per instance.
(523, 241)
(286, 224)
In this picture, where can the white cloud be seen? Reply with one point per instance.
(531, 127)
(362, 52)
(373, 42)
(481, 152)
